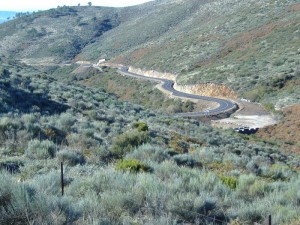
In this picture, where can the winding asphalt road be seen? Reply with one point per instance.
(224, 105)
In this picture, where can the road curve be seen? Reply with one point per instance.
(224, 105)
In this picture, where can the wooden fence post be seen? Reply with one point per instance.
(62, 177)
(270, 220)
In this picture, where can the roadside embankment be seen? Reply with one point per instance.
(207, 89)
(152, 73)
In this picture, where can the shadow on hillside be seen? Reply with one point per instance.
(18, 100)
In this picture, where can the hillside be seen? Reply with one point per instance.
(56, 35)
(219, 41)
(126, 160)
(251, 46)
(124, 163)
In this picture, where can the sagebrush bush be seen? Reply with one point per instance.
(22, 204)
(119, 205)
(149, 152)
(186, 160)
(41, 149)
(277, 172)
(47, 183)
(70, 157)
(249, 188)
(251, 213)
(80, 143)
(66, 121)
(127, 142)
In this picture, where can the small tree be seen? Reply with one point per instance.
(90, 3)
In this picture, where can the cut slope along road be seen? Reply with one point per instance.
(223, 105)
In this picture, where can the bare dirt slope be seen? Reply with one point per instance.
(287, 132)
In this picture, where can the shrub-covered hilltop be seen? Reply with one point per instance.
(126, 161)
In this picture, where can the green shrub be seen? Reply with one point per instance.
(132, 165)
(127, 142)
(141, 126)
(231, 182)
(179, 146)
(41, 149)
(269, 107)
